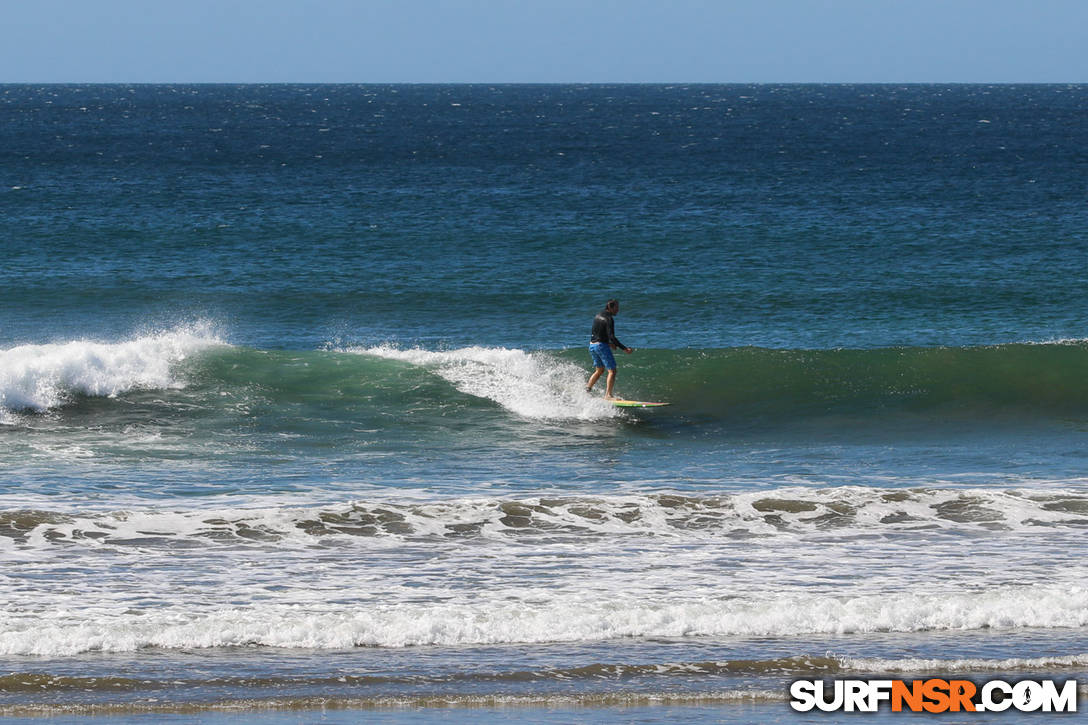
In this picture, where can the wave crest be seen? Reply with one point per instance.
(532, 385)
(41, 377)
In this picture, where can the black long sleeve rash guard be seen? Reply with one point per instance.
(604, 330)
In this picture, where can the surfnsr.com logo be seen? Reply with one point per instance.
(933, 695)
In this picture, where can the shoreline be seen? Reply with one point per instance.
(401, 703)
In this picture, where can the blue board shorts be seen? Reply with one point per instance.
(602, 356)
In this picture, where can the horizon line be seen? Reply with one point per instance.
(533, 83)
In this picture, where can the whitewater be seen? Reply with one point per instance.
(41, 377)
(594, 565)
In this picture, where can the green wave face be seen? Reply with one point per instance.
(1037, 378)
(1044, 379)
(376, 396)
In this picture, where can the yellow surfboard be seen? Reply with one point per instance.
(635, 404)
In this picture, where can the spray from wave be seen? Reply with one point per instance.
(532, 385)
(41, 377)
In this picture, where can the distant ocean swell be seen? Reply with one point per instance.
(563, 618)
(734, 384)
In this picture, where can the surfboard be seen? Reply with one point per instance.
(635, 404)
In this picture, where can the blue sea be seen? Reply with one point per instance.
(293, 421)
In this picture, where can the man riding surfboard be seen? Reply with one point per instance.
(602, 341)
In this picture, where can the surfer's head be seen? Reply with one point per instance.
(613, 306)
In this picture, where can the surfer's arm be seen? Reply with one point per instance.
(613, 340)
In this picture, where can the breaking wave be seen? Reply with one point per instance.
(40, 377)
(740, 386)
(563, 618)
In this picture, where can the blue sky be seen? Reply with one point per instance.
(533, 41)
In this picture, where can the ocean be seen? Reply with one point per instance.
(293, 425)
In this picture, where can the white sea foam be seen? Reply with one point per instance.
(533, 385)
(556, 619)
(40, 377)
(966, 664)
(396, 573)
(785, 513)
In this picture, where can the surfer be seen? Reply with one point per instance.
(602, 341)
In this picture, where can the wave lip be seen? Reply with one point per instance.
(42, 377)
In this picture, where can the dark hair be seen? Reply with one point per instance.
(611, 303)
